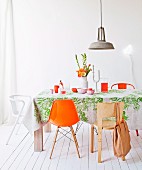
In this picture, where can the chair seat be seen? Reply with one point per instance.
(107, 124)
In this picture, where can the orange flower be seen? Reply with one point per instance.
(81, 72)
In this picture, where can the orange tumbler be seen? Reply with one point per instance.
(104, 87)
(56, 87)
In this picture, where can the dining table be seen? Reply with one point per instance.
(86, 108)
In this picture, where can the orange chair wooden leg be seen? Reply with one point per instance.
(137, 132)
(54, 141)
(75, 140)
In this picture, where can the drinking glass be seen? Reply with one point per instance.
(56, 87)
(104, 87)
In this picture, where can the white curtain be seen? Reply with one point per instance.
(7, 59)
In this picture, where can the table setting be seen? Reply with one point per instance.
(85, 99)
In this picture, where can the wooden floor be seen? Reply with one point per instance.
(19, 154)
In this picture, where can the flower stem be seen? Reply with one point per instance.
(84, 59)
(77, 61)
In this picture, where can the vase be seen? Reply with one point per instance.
(83, 82)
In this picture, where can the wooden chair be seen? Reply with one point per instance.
(63, 114)
(124, 86)
(104, 110)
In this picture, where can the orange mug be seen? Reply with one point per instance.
(104, 87)
(56, 87)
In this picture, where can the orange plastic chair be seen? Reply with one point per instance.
(124, 86)
(63, 114)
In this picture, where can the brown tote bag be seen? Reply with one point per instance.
(121, 136)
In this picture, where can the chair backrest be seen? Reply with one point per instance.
(108, 110)
(122, 85)
(63, 113)
(18, 103)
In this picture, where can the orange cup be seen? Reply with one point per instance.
(104, 87)
(56, 87)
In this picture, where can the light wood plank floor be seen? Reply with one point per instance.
(19, 154)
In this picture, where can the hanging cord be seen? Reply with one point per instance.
(101, 11)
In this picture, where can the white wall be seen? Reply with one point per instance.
(50, 32)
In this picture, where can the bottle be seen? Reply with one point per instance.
(61, 86)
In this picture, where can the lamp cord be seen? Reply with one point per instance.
(101, 11)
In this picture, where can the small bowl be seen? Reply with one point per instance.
(90, 92)
(81, 91)
(85, 90)
(63, 92)
(74, 90)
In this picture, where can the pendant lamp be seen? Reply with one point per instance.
(101, 43)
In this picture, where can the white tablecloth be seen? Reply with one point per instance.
(134, 110)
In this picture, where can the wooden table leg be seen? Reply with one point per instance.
(92, 139)
(38, 140)
(47, 127)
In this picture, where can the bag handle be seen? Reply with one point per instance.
(117, 113)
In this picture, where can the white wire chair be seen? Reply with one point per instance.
(19, 104)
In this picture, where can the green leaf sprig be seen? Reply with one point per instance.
(77, 61)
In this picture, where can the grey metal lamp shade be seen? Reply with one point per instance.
(101, 43)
